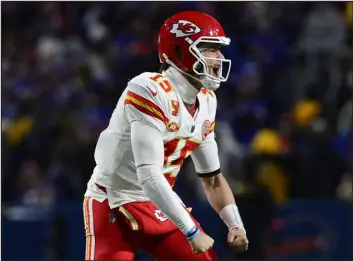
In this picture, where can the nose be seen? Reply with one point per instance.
(220, 55)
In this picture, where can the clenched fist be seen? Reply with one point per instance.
(201, 243)
(237, 240)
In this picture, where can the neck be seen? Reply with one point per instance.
(186, 91)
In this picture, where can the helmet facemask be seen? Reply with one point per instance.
(210, 71)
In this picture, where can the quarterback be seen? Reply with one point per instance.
(160, 119)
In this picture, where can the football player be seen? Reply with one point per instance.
(160, 119)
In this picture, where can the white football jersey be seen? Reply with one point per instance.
(152, 99)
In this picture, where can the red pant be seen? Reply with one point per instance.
(117, 234)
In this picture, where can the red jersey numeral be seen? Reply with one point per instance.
(171, 147)
(175, 108)
(162, 82)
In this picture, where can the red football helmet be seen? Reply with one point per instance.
(179, 46)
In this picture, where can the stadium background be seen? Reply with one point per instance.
(284, 120)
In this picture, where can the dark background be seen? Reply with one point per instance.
(283, 129)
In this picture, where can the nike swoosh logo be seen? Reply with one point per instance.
(154, 93)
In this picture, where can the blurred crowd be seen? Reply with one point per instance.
(284, 116)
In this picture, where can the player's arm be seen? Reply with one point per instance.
(216, 187)
(148, 149)
(147, 126)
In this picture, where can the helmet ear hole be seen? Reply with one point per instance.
(179, 52)
(199, 67)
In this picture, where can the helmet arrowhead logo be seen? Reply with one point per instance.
(184, 28)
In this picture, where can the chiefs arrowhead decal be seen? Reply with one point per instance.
(184, 28)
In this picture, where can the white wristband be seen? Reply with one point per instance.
(231, 217)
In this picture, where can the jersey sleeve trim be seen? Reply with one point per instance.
(145, 106)
(209, 174)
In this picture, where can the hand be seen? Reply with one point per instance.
(237, 240)
(201, 243)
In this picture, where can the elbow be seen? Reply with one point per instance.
(212, 182)
(147, 174)
(207, 182)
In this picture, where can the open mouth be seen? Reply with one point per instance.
(215, 71)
